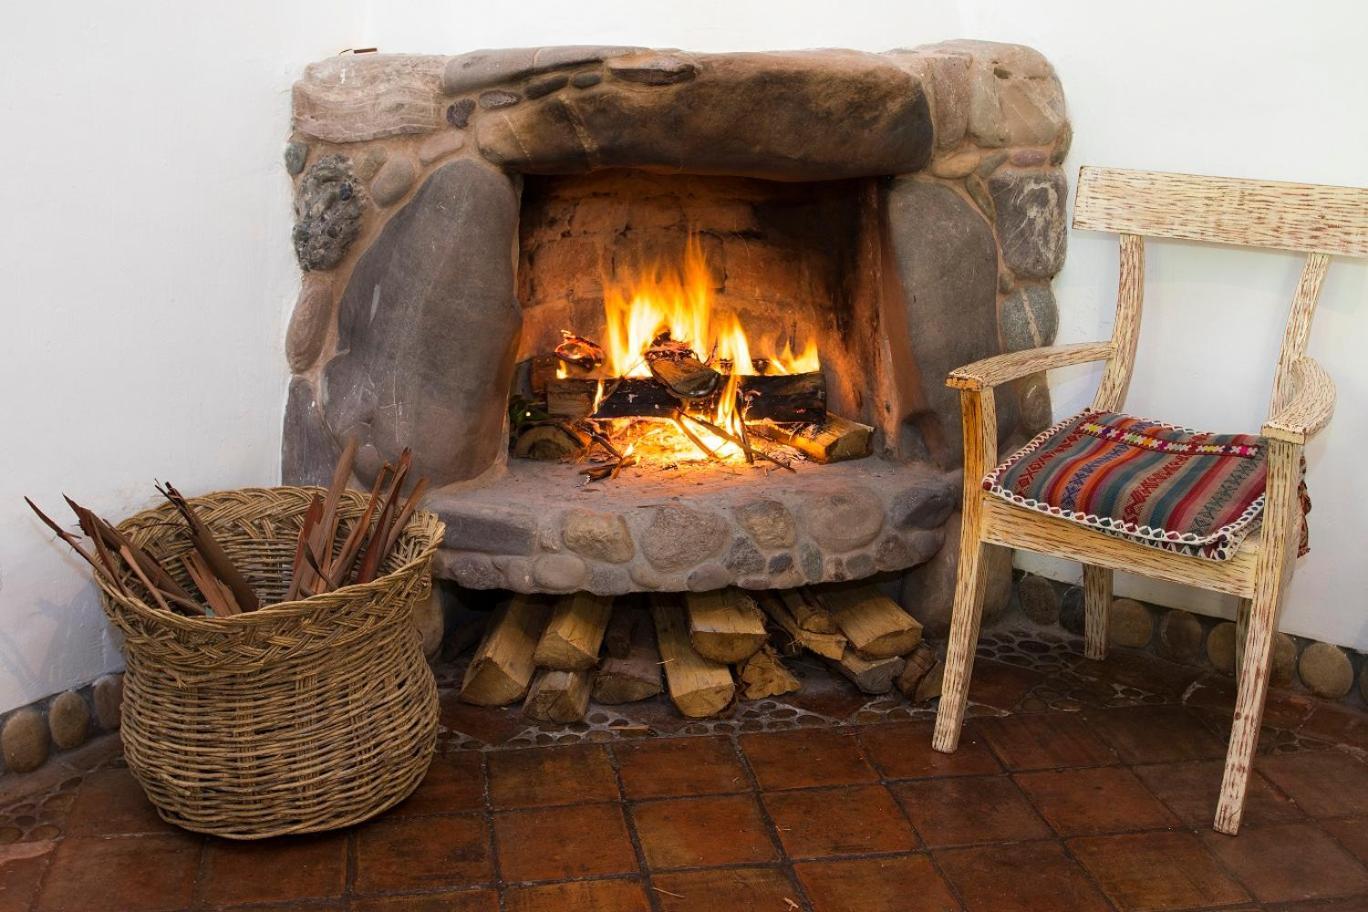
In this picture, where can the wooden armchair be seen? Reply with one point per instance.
(1317, 220)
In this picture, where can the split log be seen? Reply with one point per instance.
(785, 397)
(571, 397)
(502, 667)
(808, 611)
(698, 686)
(558, 696)
(871, 621)
(550, 442)
(622, 628)
(572, 639)
(828, 645)
(835, 440)
(725, 625)
(635, 675)
(541, 371)
(920, 662)
(764, 675)
(685, 377)
(871, 676)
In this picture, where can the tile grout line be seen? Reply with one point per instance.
(786, 864)
(487, 816)
(629, 819)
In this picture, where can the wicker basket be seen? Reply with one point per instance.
(298, 717)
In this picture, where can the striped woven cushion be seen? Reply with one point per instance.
(1161, 485)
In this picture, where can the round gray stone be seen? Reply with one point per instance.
(743, 558)
(393, 180)
(458, 112)
(24, 740)
(1220, 647)
(1180, 636)
(107, 694)
(925, 505)
(769, 522)
(844, 519)
(1129, 623)
(1030, 317)
(296, 156)
(560, 572)
(68, 720)
(678, 537)
(780, 563)
(1037, 411)
(1031, 220)
(600, 536)
(1326, 670)
(859, 565)
(474, 571)
(810, 557)
(1039, 600)
(646, 576)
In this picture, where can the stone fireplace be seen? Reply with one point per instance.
(903, 211)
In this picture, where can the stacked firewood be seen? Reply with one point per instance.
(556, 654)
(329, 552)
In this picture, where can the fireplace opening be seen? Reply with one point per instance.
(675, 320)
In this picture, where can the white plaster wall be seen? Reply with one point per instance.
(147, 274)
(147, 277)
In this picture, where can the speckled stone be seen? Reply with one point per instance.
(1180, 636)
(600, 536)
(498, 98)
(769, 522)
(458, 112)
(1030, 317)
(744, 558)
(1284, 669)
(1326, 670)
(843, 520)
(681, 537)
(296, 157)
(24, 740)
(1129, 624)
(1039, 600)
(68, 720)
(559, 572)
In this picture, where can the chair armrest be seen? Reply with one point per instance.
(1310, 408)
(999, 369)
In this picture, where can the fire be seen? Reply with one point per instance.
(679, 298)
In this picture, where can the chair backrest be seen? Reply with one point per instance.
(1317, 220)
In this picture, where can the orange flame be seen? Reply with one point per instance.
(649, 300)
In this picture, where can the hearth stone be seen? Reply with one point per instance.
(782, 116)
(356, 97)
(696, 527)
(950, 280)
(480, 69)
(427, 328)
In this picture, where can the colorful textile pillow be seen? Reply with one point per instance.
(1161, 485)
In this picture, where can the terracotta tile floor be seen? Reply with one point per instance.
(1078, 786)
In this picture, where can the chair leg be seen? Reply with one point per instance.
(1097, 599)
(1241, 634)
(964, 631)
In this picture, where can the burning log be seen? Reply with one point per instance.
(579, 351)
(834, 440)
(785, 397)
(551, 442)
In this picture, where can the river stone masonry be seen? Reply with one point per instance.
(408, 175)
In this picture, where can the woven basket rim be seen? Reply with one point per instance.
(421, 521)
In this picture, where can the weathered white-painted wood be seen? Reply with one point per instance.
(1017, 527)
(1272, 573)
(1310, 407)
(1130, 296)
(979, 416)
(1097, 599)
(999, 369)
(1298, 330)
(1311, 218)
